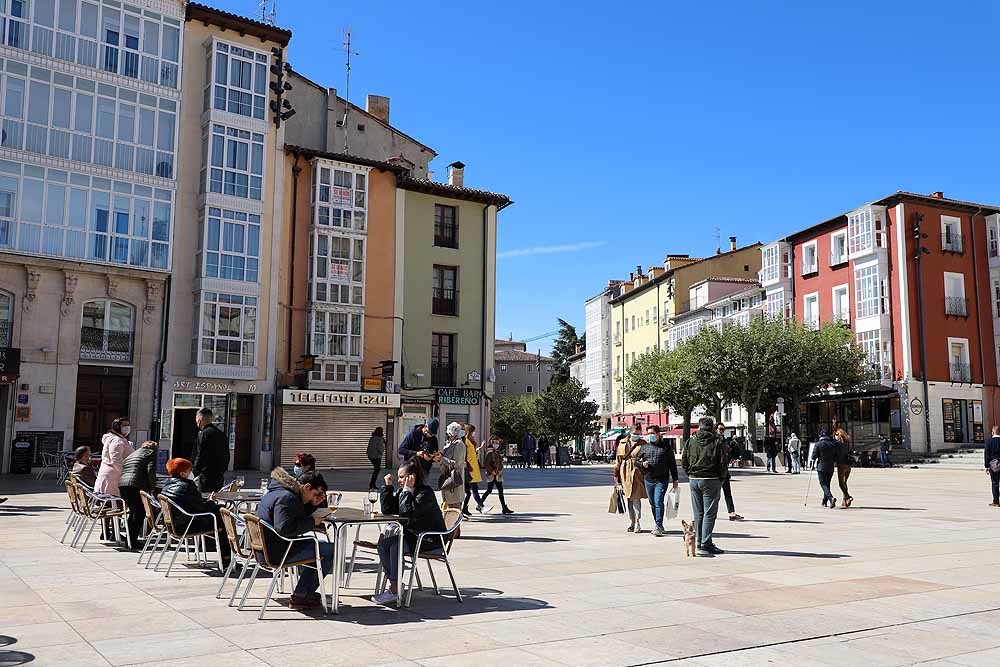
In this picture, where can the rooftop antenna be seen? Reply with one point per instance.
(718, 241)
(347, 87)
(268, 10)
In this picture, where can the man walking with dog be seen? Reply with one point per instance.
(705, 459)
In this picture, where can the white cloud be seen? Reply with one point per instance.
(550, 249)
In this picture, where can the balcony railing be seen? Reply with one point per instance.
(842, 317)
(445, 235)
(443, 376)
(951, 242)
(956, 305)
(445, 301)
(960, 372)
(838, 258)
(810, 268)
(104, 345)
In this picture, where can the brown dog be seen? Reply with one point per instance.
(689, 534)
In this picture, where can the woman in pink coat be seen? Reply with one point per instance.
(116, 450)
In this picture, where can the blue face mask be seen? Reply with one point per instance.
(651, 438)
(297, 470)
(636, 438)
(461, 433)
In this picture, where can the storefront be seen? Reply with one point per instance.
(864, 416)
(333, 426)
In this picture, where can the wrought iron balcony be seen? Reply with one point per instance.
(960, 372)
(445, 301)
(956, 305)
(443, 376)
(951, 242)
(104, 345)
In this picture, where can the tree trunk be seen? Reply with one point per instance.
(687, 424)
(751, 426)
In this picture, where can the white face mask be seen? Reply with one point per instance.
(189, 475)
(126, 430)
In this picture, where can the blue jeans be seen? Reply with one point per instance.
(656, 491)
(308, 578)
(388, 556)
(705, 502)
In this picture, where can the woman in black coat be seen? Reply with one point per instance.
(138, 474)
(182, 491)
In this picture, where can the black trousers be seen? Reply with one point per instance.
(376, 469)
(489, 489)
(995, 484)
(825, 477)
(727, 491)
(136, 514)
(471, 491)
(203, 523)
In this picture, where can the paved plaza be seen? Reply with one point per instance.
(910, 575)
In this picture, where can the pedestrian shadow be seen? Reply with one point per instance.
(13, 658)
(789, 554)
(889, 509)
(510, 539)
(818, 523)
(23, 509)
(741, 536)
(520, 517)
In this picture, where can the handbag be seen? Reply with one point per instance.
(617, 503)
(995, 465)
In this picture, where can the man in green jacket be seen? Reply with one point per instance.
(704, 460)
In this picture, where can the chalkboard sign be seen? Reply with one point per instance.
(22, 452)
(49, 442)
(562, 456)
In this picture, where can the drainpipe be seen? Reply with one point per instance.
(975, 282)
(482, 345)
(920, 322)
(296, 170)
(158, 384)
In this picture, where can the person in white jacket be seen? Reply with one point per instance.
(116, 450)
(453, 457)
(794, 448)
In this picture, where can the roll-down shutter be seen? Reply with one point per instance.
(336, 436)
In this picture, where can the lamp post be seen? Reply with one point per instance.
(919, 252)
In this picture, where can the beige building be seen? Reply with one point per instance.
(223, 299)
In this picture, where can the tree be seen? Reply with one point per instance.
(565, 413)
(667, 378)
(562, 350)
(513, 416)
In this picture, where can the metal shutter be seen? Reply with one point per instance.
(336, 436)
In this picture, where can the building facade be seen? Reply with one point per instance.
(519, 372)
(88, 199)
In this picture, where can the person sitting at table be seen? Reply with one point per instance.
(415, 502)
(288, 506)
(304, 462)
(182, 491)
(82, 470)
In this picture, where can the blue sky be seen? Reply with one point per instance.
(624, 131)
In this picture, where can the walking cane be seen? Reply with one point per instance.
(805, 501)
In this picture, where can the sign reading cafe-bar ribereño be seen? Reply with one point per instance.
(341, 398)
(454, 396)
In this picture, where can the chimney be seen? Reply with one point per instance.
(378, 106)
(732, 243)
(631, 277)
(456, 174)
(937, 195)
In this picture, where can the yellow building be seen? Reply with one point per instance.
(640, 317)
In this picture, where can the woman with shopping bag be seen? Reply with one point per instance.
(629, 488)
(658, 464)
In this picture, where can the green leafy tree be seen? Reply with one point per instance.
(668, 378)
(564, 348)
(513, 416)
(564, 412)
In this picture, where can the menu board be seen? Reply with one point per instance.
(979, 434)
(949, 417)
(21, 453)
(49, 442)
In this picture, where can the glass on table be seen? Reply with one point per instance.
(263, 484)
(240, 481)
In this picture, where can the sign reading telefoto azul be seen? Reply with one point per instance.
(343, 398)
(454, 396)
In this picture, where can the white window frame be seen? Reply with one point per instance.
(835, 258)
(322, 337)
(529, 389)
(6, 319)
(860, 231)
(774, 304)
(867, 300)
(965, 358)
(810, 316)
(249, 309)
(228, 222)
(503, 389)
(838, 315)
(770, 263)
(225, 146)
(106, 354)
(249, 101)
(336, 372)
(951, 226)
(503, 368)
(995, 282)
(871, 343)
(813, 266)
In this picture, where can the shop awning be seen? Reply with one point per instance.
(614, 433)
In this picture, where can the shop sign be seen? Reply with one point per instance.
(339, 398)
(10, 364)
(372, 384)
(215, 386)
(455, 396)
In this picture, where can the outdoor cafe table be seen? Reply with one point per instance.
(338, 524)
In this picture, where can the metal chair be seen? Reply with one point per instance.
(452, 520)
(167, 508)
(95, 507)
(264, 560)
(233, 487)
(49, 460)
(156, 529)
(75, 516)
(241, 557)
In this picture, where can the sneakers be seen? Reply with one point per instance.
(630, 529)
(638, 528)
(387, 597)
(712, 549)
(705, 553)
(833, 504)
(659, 532)
(307, 601)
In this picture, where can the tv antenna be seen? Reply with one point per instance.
(718, 240)
(346, 48)
(268, 10)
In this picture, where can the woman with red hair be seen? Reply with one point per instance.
(182, 491)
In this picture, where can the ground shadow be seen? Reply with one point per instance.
(13, 658)
(889, 509)
(510, 539)
(8, 508)
(790, 554)
(818, 523)
(519, 517)
(741, 536)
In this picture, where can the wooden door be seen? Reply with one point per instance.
(102, 395)
(244, 433)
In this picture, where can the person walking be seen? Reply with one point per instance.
(705, 460)
(795, 452)
(630, 478)
(771, 451)
(543, 451)
(453, 465)
(211, 453)
(116, 449)
(825, 460)
(883, 451)
(138, 474)
(473, 475)
(376, 452)
(727, 486)
(991, 458)
(528, 447)
(492, 462)
(658, 464)
(845, 462)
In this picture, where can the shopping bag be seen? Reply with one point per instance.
(671, 503)
(617, 502)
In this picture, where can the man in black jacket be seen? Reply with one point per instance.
(658, 464)
(211, 453)
(991, 456)
(825, 455)
(288, 506)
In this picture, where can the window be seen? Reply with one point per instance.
(239, 82)
(838, 248)
(870, 344)
(633, 323)
(340, 198)
(770, 263)
(107, 331)
(237, 162)
(951, 234)
(866, 291)
(228, 331)
(443, 360)
(503, 368)
(626, 325)
(860, 231)
(445, 226)
(337, 372)
(647, 316)
(954, 295)
(810, 263)
(996, 297)
(232, 245)
(655, 318)
(338, 269)
(774, 306)
(503, 389)
(841, 304)
(991, 233)
(727, 414)
(548, 368)
(958, 360)
(810, 314)
(445, 299)
(529, 389)
(6, 319)
(336, 334)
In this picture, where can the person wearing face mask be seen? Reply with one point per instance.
(658, 464)
(212, 453)
(116, 449)
(453, 461)
(304, 462)
(182, 491)
(629, 477)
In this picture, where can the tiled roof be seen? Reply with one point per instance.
(241, 24)
(501, 201)
(344, 157)
(517, 355)
(726, 279)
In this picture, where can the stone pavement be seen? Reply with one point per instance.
(910, 575)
